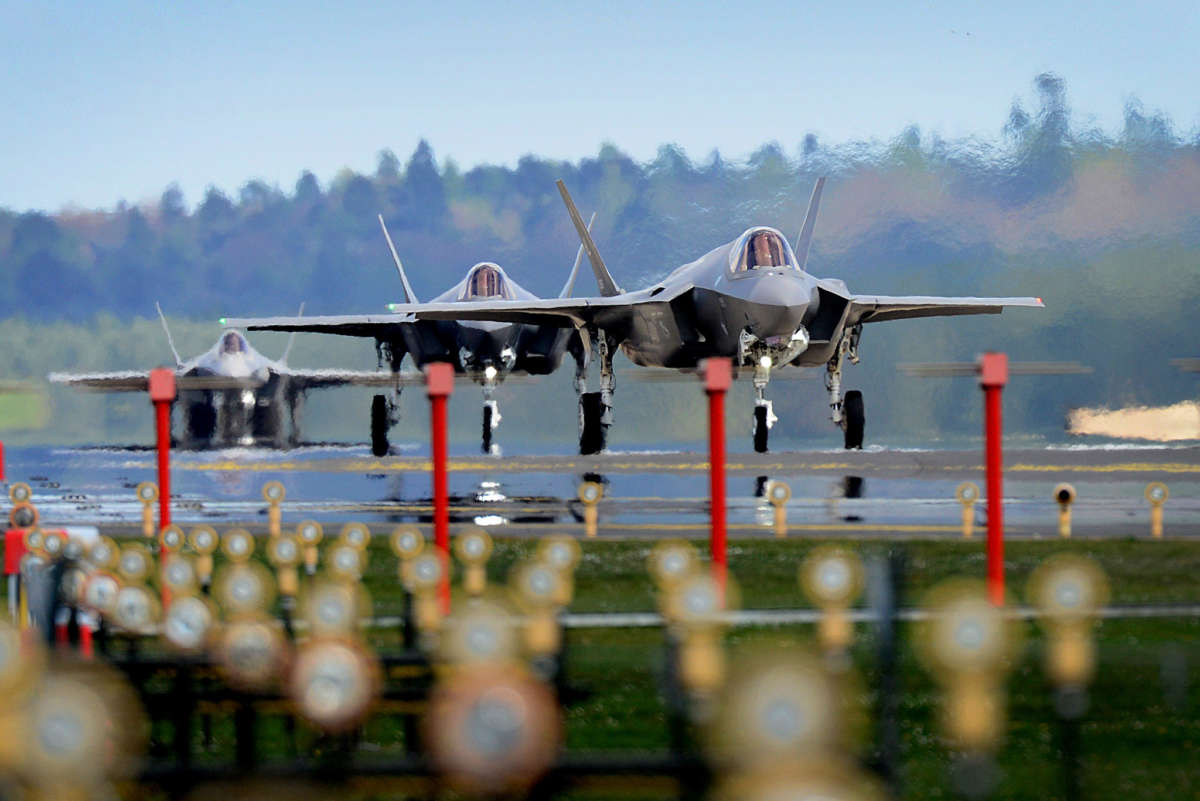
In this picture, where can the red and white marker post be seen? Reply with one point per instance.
(718, 377)
(162, 395)
(993, 375)
(439, 383)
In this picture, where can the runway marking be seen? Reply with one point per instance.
(1129, 467)
(897, 527)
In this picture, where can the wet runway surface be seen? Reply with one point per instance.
(872, 493)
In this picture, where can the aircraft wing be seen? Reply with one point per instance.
(320, 379)
(879, 308)
(562, 312)
(124, 381)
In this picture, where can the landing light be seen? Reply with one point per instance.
(765, 362)
(489, 373)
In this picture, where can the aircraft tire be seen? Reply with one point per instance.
(760, 429)
(856, 419)
(487, 428)
(591, 435)
(379, 426)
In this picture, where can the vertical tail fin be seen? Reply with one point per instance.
(804, 241)
(409, 295)
(569, 287)
(291, 339)
(604, 279)
(163, 319)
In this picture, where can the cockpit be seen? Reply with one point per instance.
(233, 342)
(486, 281)
(761, 248)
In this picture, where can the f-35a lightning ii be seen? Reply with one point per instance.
(750, 300)
(483, 351)
(231, 394)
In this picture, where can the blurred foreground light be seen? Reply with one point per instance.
(1068, 589)
(777, 706)
(832, 577)
(244, 588)
(179, 575)
(189, 624)
(356, 535)
(801, 780)
(406, 541)
(672, 561)
(561, 553)
(136, 609)
(104, 553)
(251, 652)
(964, 633)
(492, 730)
(204, 540)
(481, 631)
(100, 592)
(238, 545)
(334, 607)
(21, 663)
(134, 563)
(333, 683)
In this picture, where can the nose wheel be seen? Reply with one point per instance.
(491, 419)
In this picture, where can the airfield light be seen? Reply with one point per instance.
(484, 632)
(967, 494)
(492, 731)
(333, 607)
(285, 552)
(590, 492)
(1064, 495)
(20, 493)
(136, 609)
(346, 562)
(779, 493)
(273, 493)
(23, 516)
(310, 534)
(238, 545)
(179, 575)
(356, 535)
(1156, 494)
(966, 643)
(251, 652)
(536, 587)
(244, 588)
(473, 548)
(172, 538)
(333, 682)
(100, 592)
(147, 493)
(423, 575)
(204, 541)
(1069, 590)
(776, 705)
(406, 541)
(188, 623)
(134, 562)
(697, 606)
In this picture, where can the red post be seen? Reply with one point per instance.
(162, 395)
(718, 376)
(993, 375)
(439, 383)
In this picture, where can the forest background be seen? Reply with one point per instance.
(1104, 226)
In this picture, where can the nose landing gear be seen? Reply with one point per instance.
(847, 413)
(764, 412)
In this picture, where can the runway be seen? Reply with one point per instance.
(875, 493)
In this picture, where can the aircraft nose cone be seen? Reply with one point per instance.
(781, 302)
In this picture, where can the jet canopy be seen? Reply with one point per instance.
(486, 280)
(233, 342)
(761, 248)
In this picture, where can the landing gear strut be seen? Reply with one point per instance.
(764, 412)
(848, 413)
(491, 412)
(596, 408)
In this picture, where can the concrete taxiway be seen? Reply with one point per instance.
(876, 493)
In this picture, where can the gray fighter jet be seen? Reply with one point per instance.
(483, 351)
(750, 300)
(231, 394)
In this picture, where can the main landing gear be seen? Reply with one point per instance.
(595, 408)
(848, 413)
(764, 412)
(491, 411)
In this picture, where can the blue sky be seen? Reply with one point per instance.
(115, 100)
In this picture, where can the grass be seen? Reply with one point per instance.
(1140, 738)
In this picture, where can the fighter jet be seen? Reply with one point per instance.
(750, 300)
(231, 394)
(482, 351)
